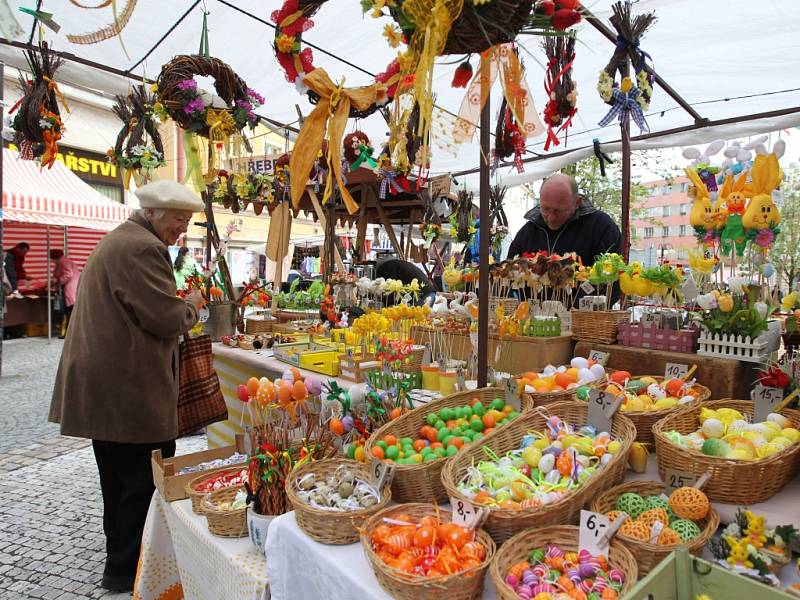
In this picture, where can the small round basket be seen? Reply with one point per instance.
(519, 547)
(648, 555)
(503, 523)
(197, 497)
(225, 523)
(533, 399)
(464, 585)
(330, 526)
(742, 482)
(422, 481)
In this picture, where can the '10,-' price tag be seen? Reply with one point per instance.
(675, 371)
(599, 357)
(602, 406)
(677, 479)
(591, 536)
(765, 399)
(381, 473)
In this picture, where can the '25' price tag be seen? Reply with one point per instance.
(677, 479)
(592, 531)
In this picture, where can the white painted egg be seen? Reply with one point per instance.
(585, 375)
(561, 369)
(597, 370)
(737, 426)
(546, 463)
(685, 399)
(579, 362)
(713, 428)
(656, 392)
(549, 370)
(779, 419)
(606, 458)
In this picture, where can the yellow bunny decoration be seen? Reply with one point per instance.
(731, 196)
(739, 556)
(755, 530)
(702, 215)
(761, 212)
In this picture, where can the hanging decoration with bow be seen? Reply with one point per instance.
(630, 97)
(499, 60)
(562, 94)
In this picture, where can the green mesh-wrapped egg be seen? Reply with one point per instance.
(688, 530)
(631, 503)
(656, 502)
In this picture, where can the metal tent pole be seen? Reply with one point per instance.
(483, 269)
(49, 296)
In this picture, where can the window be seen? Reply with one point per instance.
(665, 232)
(665, 210)
(648, 232)
(684, 187)
(683, 230)
(685, 208)
(654, 211)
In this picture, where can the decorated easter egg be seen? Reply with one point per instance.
(768, 270)
(631, 503)
(665, 403)
(715, 447)
(597, 370)
(287, 375)
(652, 502)
(791, 433)
(549, 370)
(546, 463)
(779, 419)
(636, 386)
(263, 381)
(685, 399)
(313, 385)
(579, 362)
(532, 455)
(241, 393)
(713, 428)
(737, 426)
(656, 392)
(688, 530)
(582, 392)
(585, 374)
(619, 377)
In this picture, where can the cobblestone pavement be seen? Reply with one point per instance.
(51, 533)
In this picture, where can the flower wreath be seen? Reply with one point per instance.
(192, 108)
(139, 115)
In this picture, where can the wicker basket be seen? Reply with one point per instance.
(504, 523)
(327, 526)
(732, 481)
(533, 399)
(519, 547)
(422, 482)
(649, 555)
(466, 585)
(253, 325)
(644, 420)
(225, 523)
(197, 497)
(597, 325)
(413, 362)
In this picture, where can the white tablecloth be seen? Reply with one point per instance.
(182, 559)
(301, 569)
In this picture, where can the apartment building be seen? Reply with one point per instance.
(663, 231)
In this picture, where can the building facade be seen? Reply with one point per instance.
(663, 233)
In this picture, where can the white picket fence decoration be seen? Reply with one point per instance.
(742, 348)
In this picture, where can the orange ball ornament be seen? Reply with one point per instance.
(689, 503)
(252, 386)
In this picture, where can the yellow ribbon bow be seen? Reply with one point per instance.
(331, 114)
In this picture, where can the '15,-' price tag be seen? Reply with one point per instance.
(591, 536)
(765, 399)
(465, 514)
(675, 371)
(677, 479)
(602, 406)
(381, 473)
(599, 357)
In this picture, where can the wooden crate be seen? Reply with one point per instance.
(682, 576)
(170, 485)
(658, 338)
(524, 354)
(725, 378)
(354, 368)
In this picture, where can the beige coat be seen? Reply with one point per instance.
(118, 376)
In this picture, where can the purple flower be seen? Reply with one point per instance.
(195, 106)
(187, 84)
(764, 238)
(244, 105)
(254, 95)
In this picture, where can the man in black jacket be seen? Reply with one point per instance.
(565, 222)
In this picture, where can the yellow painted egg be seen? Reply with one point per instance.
(779, 419)
(614, 447)
(647, 380)
(791, 433)
(740, 453)
(781, 441)
(665, 403)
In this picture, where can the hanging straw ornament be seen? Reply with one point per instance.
(562, 93)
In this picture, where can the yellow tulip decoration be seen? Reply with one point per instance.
(725, 303)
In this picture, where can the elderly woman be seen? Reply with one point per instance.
(117, 382)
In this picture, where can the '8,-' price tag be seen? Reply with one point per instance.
(675, 371)
(602, 406)
(591, 536)
(765, 399)
(465, 514)
(599, 357)
(381, 473)
(677, 479)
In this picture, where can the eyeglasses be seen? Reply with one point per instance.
(546, 210)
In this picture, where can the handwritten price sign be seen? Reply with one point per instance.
(602, 407)
(592, 531)
(675, 371)
(765, 399)
(465, 514)
(599, 357)
(381, 473)
(677, 479)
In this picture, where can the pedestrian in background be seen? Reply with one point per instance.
(185, 266)
(117, 382)
(65, 274)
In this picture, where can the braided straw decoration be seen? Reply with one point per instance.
(649, 555)
(229, 86)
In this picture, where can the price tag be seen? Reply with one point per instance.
(585, 303)
(591, 536)
(203, 314)
(765, 399)
(381, 473)
(599, 357)
(426, 356)
(677, 479)
(566, 321)
(689, 289)
(651, 318)
(675, 371)
(602, 407)
(465, 514)
(511, 388)
(587, 288)
(655, 531)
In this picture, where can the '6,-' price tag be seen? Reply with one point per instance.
(675, 371)
(591, 536)
(602, 406)
(765, 399)
(677, 479)
(381, 473)
(599, 357)
(465, 514)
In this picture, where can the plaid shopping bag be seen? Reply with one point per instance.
(200, 400)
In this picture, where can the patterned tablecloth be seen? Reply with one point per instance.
(182, 559)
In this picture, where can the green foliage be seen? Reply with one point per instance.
(785, 252)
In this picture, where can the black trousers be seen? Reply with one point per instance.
(126, 480)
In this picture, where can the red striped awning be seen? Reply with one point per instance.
(55, 196)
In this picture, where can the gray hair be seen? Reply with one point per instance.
(150, 214)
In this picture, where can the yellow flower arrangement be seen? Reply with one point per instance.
(393, 35)
(725, 302)
(285, 43)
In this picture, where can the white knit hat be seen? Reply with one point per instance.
(165, 193)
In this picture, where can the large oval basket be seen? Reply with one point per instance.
(649, 555)
(519, 547)
(504, 523)
(422, 482)
(465, 585)
(732, 481)
(329, 526)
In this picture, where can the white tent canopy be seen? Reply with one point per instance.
(727, 58)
